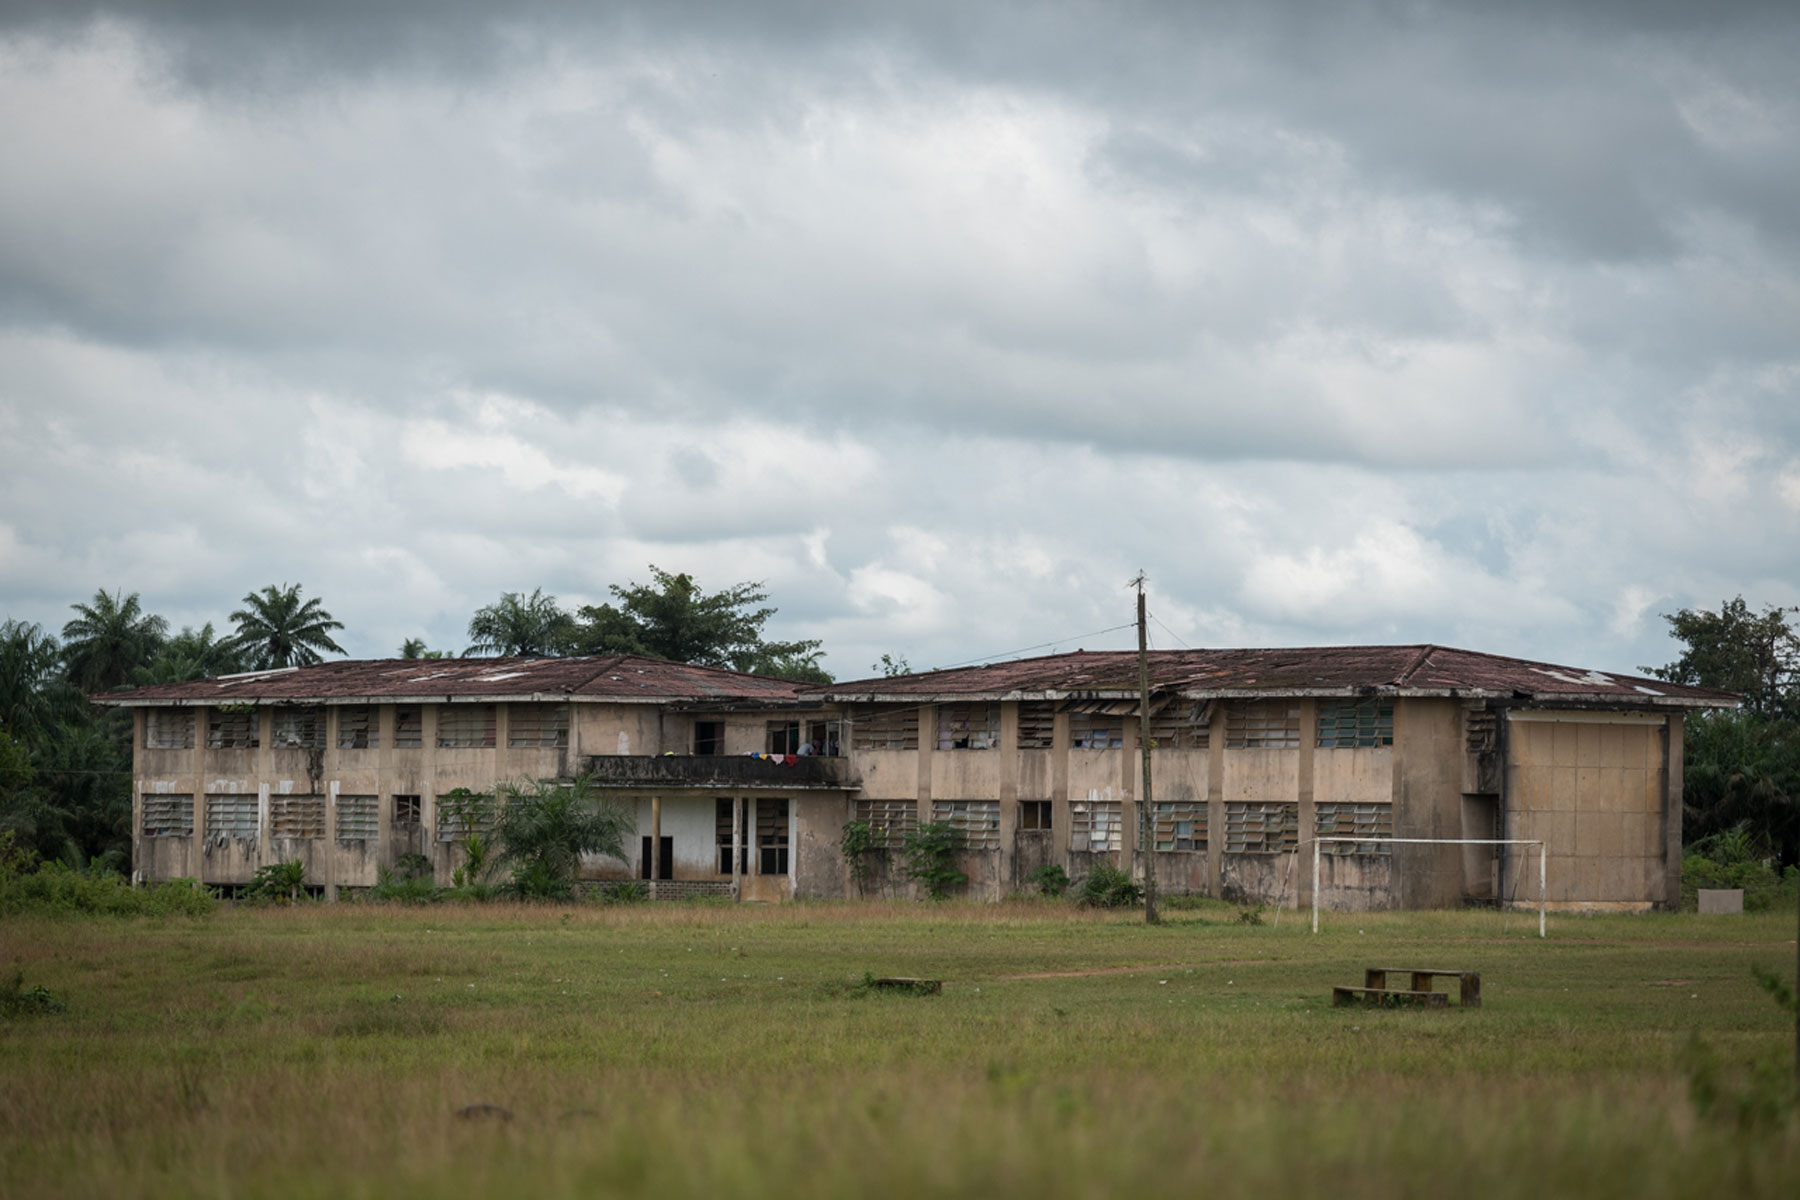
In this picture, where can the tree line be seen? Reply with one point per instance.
(65, 764)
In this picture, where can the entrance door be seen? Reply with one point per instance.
(665, 861)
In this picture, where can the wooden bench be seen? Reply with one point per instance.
(1376, 977)
(1384, 998)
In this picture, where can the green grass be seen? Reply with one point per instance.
(663, 1050)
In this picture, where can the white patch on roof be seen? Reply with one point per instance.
(1591, 677)
(432, 675)
(506, 675)
(1640, 687)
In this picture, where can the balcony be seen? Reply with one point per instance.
(726, 771)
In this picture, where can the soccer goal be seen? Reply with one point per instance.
(1543, 863)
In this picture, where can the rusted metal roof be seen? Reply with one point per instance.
(1422, 670)
(616, 677)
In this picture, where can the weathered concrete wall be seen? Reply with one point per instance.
(1429, 749)
(1595, 787)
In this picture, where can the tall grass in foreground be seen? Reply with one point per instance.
(672, 1050)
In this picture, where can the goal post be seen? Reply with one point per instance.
(1543, 863)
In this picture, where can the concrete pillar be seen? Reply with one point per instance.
(737, 846)
(655, 843)
(1309, 817)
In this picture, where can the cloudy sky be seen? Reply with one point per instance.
(1365, 322)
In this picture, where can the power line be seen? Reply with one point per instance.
(1041, 645)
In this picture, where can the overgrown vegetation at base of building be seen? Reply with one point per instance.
(56, 889)
(17, 1000)
(1107, 887)
(928, 858)
(1729, 859)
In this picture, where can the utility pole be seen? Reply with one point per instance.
(1146, 843)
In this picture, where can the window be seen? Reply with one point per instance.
(461, 726)
(1037, 724)
(784, 737)
(299, 729)
(1262, 725)
(1179, 824)
(300, 816)
(1181, 725)
(407, 810)
(968, 726)
(358, 818)
(359, 728)
(1374, 821)
(1034, 814)
(409, 727)
(1356, 722)
(709, 737)
(1483, 730)
(169, 729)
(461, 812)
(772, 837)
(168, 814)
(229, 729)
(823, 736)
(1261, 827)
(890, 821)
(1096, 825)
(1096, 731)
(234, 814)
(886, 728)
(722, 838)
(977, 820)
(537, 726)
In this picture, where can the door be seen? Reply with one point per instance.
(665, 860)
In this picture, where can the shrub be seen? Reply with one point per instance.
(21, 1001)
(928, 856)
(1727, 860)
(545, 827)
(280, 882)
(630, 891)
(1050, 880)
(1108, 887)
(861, 849)
(54, 889)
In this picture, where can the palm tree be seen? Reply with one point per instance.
(34, 698)
(517, 624)
(191, 654)
(413, 648)
(110, 639)
(274, 629)
(545, 827)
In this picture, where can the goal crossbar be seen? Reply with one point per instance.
(1543, 863)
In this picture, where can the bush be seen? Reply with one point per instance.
(53, 889)
(630, 891)
(928, 857)
(21, 1001)
(409, 882)
(1050, 880)
(1726, 860)
(1108, 887)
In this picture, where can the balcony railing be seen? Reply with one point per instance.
(718, 771)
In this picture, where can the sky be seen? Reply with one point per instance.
(1360, 322)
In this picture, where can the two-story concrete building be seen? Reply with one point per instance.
(741, 785)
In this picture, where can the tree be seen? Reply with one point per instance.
(543, 829)
(110, 639)
(274, 629)
(34, 698)
(891, 666)
(1735, 650)
(191, 654)
(520, 625)
(673, 619)
(414, 648)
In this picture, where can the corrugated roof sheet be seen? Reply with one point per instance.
(609, 677)
(1320, 670)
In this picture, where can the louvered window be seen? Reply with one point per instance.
(359, 728)
(1097, 731)
(464, 726)
(358, 818)
(537, 726)
(1372, 821)
(1181, 725)
(890, 821)
(168, 814)
(228, 730)
(1037, 724)
(299, 729)
(1096, 825)
(297, 816)
(886, 728)
(409, 728)
(968, 726)
(234, 814)
(1261, 827)
(169, 729)
(978, 821)
(772, 837)
(1180, 824)
(1262, 725)
(1356, 722)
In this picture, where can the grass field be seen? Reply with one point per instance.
(669, 1050)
